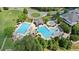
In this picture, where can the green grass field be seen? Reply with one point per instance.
(35, 14)
(8, 18)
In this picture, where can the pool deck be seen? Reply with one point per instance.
(58, 33)
(33, 29)
(20, 35)
(42, 34)
(20, 26)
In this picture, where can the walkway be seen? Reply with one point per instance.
(75, 42)
(3, 43)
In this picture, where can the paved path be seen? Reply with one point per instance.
(75, 42)
(3, 43)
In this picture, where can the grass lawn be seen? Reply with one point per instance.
(7, 18)
(9, 44)
(35, 14)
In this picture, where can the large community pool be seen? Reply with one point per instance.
(43, 30)
(23, 28)
(46, 32)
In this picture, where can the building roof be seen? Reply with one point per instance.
(72, 17)
(38, 22)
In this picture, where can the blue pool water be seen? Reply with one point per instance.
(23, 28)
(45, 31)
(54, 30)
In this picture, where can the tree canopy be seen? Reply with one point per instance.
(5, 8)
(21, 18)
(29, 44)
(75, 29)
(65, 27)
(46, 19)
(65, 43)
(74, 37)
(25, 11)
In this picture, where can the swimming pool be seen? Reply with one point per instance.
(46, 32)
(23, 28)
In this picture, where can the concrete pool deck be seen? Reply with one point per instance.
(51, 33)
(41, 33)
(20, 27)
(19, 34)
(46, 32)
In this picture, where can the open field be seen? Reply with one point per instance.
(7, 18)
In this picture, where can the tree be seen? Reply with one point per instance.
(29, 44)
(74, 37)
(75, 29)
(42, 42)
(46, 9)
(5, 8)
(39, 47)
(8, 31)
(19, 45)
(65, 43)
(50, 45)
(0, 10)
(65, 10)
(59, 19)
(53, 45)
(25, 11)
(69, 45)
(46, 19)
(65, 27)
(21, 18)
(43, 8)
